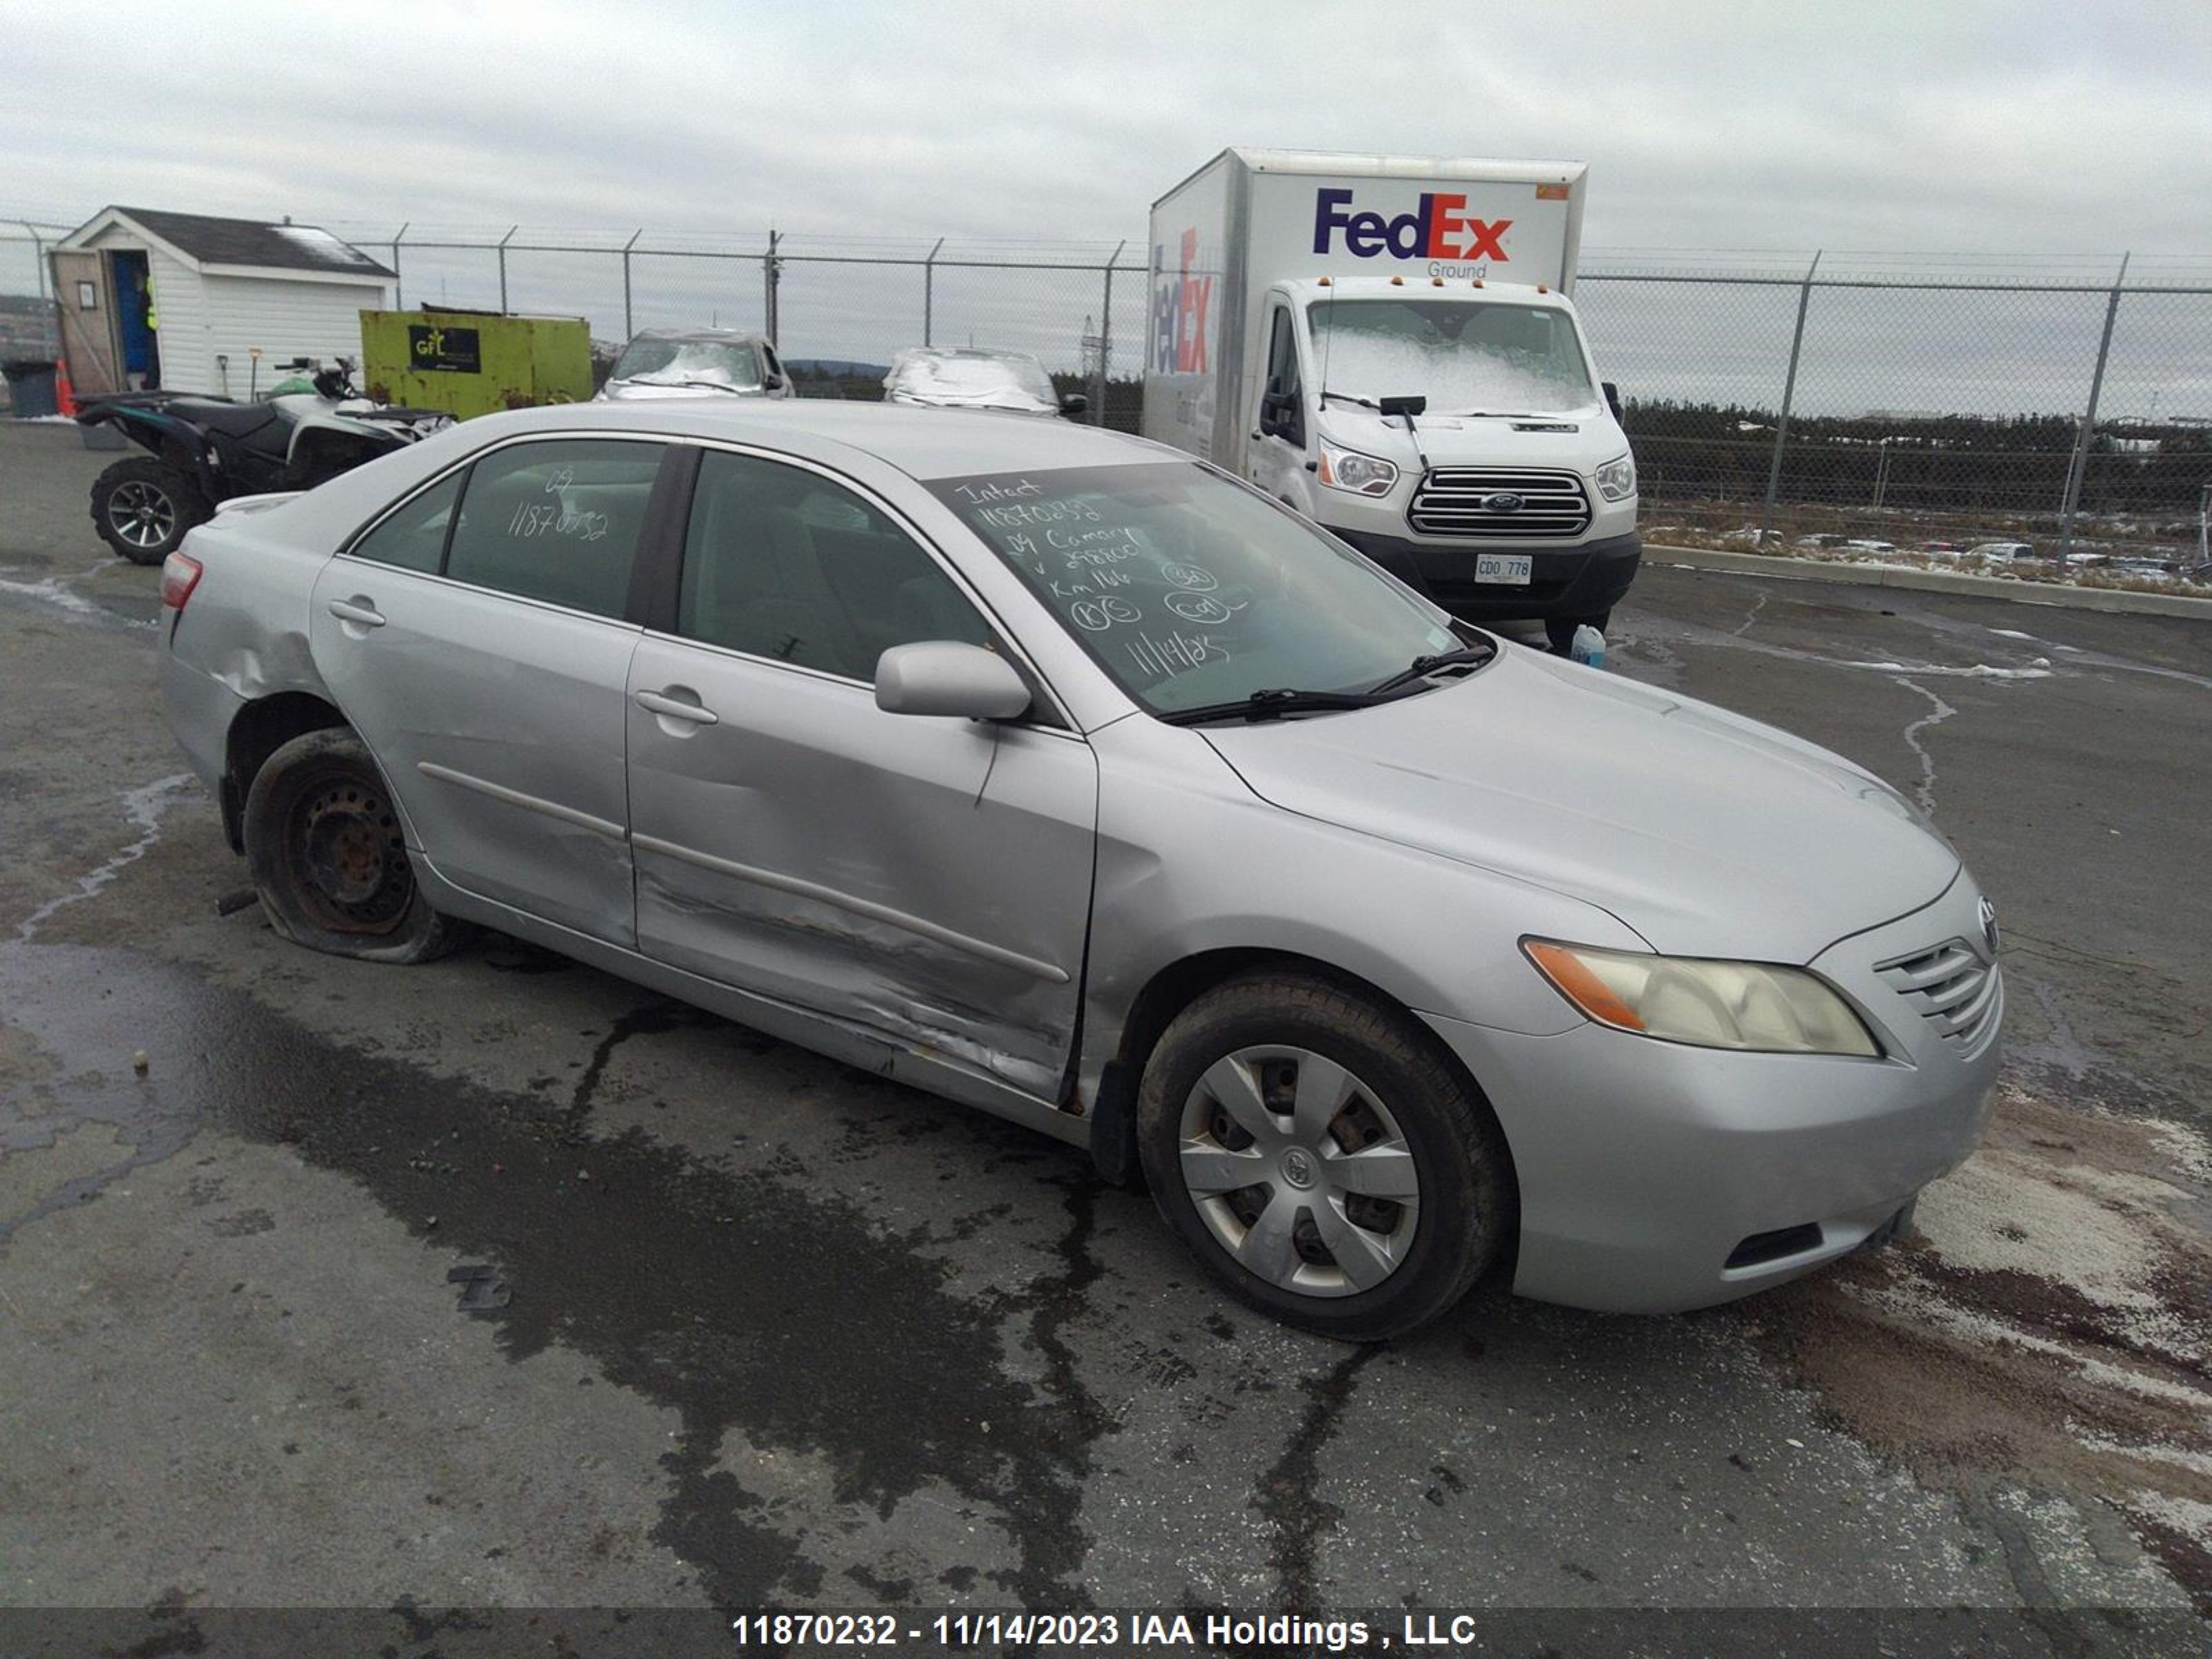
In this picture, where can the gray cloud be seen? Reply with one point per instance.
(2039, 128)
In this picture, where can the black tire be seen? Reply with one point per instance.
(1466, 1209)
(1560, 630)
(324, 844)
(142, 509)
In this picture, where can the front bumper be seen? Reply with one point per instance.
(1645, 1166)
(1585, 580)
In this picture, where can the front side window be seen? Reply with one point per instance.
(781, 562)
(1190, 590)
(1467, 357)
(414, 536)
(558, 521)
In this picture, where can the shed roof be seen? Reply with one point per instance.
(255, 244)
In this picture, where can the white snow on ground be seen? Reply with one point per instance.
(143, 808)
(57, 591)
(2186, 1515)
(2010, 633)
(1980, 671)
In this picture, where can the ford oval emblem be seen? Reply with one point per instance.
(1504, 502)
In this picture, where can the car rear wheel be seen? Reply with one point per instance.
(1322, 1158)
(324, 844)
(142, 509)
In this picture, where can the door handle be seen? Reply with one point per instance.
(359, 612)
(676, 709)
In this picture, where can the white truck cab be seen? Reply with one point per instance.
(1387, 344)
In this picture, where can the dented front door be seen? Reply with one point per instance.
(927, 879)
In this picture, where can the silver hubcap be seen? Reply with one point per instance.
(142, 514)
(1299, 1172)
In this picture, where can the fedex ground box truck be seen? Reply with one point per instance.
(1387, 345)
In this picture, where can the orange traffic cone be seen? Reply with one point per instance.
(64, 394)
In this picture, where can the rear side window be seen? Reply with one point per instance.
(557, 521)
(781, 562)
(414, 537)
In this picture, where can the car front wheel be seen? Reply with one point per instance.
(1318, 1154)
(324, 844)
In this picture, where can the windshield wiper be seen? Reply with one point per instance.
(1273, 703)
(706, 386)
(1421, 667)
(1346, 397)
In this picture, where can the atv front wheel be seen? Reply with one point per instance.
(142, 509)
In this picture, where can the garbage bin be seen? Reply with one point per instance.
(30, 388)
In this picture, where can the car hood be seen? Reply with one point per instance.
(1708, 834)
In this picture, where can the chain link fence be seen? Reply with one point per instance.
(1898, 403)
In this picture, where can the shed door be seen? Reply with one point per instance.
(87, 330)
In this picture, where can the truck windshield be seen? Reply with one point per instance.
(1465, 357)
(1189, 590)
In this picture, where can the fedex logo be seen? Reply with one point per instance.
(1180, 304)
(1434, 230)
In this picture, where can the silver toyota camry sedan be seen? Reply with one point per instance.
(1066, 776)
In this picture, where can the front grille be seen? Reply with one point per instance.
(1460, 502)
(1956, 987)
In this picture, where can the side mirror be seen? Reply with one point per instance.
(1612, 398)
(1075, 403)
(943, 676)
(773, 383)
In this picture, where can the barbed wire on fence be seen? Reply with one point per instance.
(1880, 398)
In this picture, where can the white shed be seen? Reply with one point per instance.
(184, 301)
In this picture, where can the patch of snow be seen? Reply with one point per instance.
(971, 379)
(142, 808)
(322, 244)
(1980, 671)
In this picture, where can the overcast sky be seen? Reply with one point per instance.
(2022, 129)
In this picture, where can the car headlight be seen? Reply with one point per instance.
(1616, 479)
(1712, 1004)
(1362, 475)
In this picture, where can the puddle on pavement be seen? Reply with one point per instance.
(2051, 1325)
(741, 1302)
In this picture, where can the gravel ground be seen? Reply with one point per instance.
(769, 1331)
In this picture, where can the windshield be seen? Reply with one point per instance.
(972, 379)
(1189, 590)
(732, 364)
(1488, 358)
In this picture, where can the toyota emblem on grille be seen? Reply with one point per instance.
(1503, 501)
(1988, 915)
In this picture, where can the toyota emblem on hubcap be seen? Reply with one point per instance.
(1297, 1168)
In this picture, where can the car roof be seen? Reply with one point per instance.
(923, 443)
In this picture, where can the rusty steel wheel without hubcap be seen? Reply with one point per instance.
(352, 860)
(1299, 1172)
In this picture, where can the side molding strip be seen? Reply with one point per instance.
(516, 797)
(912, 924)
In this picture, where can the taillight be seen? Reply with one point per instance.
(180, 574)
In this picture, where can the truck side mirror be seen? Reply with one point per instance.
(1074, 403)
(1612, 399)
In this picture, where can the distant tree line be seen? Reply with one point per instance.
(1949, 463)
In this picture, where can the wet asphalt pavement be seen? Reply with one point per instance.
(501, 1281)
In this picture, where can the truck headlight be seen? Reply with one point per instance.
(1711, 1005)
(1616, 479)
(1349, 470)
